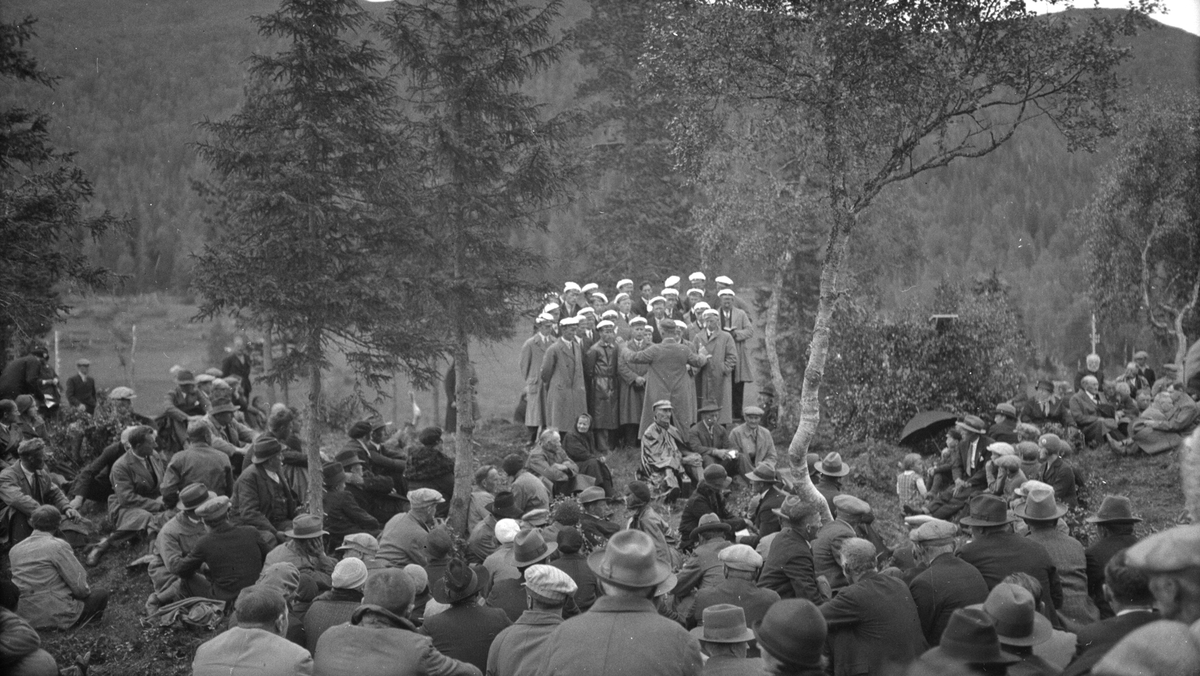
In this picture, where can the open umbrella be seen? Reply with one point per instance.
(925, 426)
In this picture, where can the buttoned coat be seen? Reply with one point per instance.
(519, 649)
(566, 390)
(668, 378)
(1061, 477)
(403, 541)
(135, 491)
(631, 397)
(621, 636)
(789, 570)
(81, 391)
(947, 584)
(533, 351)
(826, 547)
(705, 441)
(17, 495)
(261, 502)
(249, 651)
(998, 555)
(600, 365)
(738, 324)
(715, 380)
(873, 623)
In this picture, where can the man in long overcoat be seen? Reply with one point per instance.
(715, 380)
(632, 394)
(668, 377)
(736, 322)
(600, 366)
(562, 374)
(532, 354)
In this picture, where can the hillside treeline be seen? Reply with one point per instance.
(137, 77)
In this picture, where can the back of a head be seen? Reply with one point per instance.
(1029, 582)
(1129, 586)
(482, 473)
(859, 554)
(198, 432)
(513, 464)
(259, 604)
(390, 588)
(138, 434)
(46, 518)
(279, 420)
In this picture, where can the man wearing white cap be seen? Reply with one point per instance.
(530, 367)
(736, 322)
(337, 605)
(632, 394)
(668, 376)
(570, 300)
(641, 302)
(600, 367)
(621, 315)
(741, 565)
(715, 379)
(404, 537)
(585, 335)
(520, 648)
(658, 313)
(675, 308)
(563, 377)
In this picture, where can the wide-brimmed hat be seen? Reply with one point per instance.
(529, 547)
(629, 560)
(348, 458)
(223, 406)
(970, 637)
(504, 506)
(333, 474)
(764, 472)
(591, 494)
(185, 377)
(832, 465)
(971, 423)
(715, 475)
(264, 448)
(458, 582)
(724, 623)
(1040, 505)
(987, 510)
(306, 527)
(1015, 615)
(193, 496)
(711, 522)
(1045, 385)
(793, 631)
(1114, 509)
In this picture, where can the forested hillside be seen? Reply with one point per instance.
(136, 77)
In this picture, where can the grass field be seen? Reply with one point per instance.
(166, 337)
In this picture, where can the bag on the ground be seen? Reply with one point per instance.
(195, 612)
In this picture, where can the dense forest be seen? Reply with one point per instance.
(137, 77)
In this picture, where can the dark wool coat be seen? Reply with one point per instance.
(789, 570)
(261, 502)
(949, 583)
(466, 632)
(873, 623)
(998, 555)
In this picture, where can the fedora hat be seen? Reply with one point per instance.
(764, 472)
(306, 527)
(589, 495)
(629, 560)
(970, 637)
(1040, 505)
(724, 623)
(1013, 611)
(193, 496)
(1114, 509)
(710, 522)
(793, 631)
(709, 408)
(333, 474)
(504, 506)
(715, 475)
(348, 458)
(832, 465)
(987, 510)
(460, 581)
(223, 406)
(1007, 410)
(529, 547)
(971, 423)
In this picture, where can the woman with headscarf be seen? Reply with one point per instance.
(580, 447)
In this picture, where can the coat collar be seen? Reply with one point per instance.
(539, 617)
(623, 604)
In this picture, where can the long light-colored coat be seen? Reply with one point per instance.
(601, 368)
(739, 326)
(631, 396)
(532, 353)
(668, 378)
(715, 380)
(53, 584)
(566, 393)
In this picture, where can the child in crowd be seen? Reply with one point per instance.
(1009, 476)
(910, 485)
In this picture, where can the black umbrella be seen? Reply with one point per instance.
(925, 426)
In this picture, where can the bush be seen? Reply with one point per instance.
(882, 372)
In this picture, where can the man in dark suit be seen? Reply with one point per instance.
(764, 481)
(998, 552)
(947, 582)
(237, 363)
(873, 622)
(24, 375)
(1044, 407)
(1128, 593)
(968, 467)
(1094, 416)
(710, 439)
(1057, 472)
(789, 570)
(81, 388)
(1114, 523)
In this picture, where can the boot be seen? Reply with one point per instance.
(94, 556)
(153, 603)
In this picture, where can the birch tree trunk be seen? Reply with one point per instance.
(312, 433)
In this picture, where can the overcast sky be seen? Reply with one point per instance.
(1183, 14)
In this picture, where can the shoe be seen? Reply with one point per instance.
(153, 603)
(94, 556)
